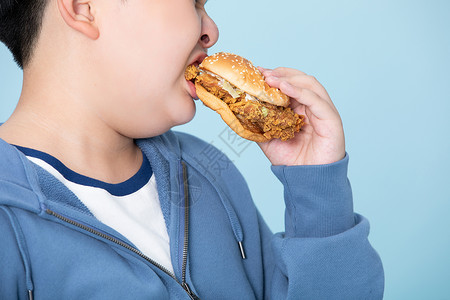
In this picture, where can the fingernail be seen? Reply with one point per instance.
(272, 78)
(264, 70)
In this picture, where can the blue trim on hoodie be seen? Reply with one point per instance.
(131, 185)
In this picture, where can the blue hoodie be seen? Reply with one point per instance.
(52, 247)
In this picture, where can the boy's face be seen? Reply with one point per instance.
(141, 54)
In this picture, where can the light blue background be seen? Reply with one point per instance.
(386, 66)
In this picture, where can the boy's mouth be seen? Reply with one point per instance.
(190, 80)
(192, 90)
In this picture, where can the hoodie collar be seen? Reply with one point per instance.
(18, 180)
(26, 185)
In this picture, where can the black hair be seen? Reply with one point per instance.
(20, 26)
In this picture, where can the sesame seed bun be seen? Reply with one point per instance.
(244, 75)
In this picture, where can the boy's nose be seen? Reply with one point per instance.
(210, 32)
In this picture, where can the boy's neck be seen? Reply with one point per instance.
(57, 113)
(94, 151)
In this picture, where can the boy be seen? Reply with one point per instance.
(97, 193)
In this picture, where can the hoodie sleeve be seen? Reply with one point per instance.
(324, 252)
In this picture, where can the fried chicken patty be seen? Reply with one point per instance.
(256, 116)
(191, 72)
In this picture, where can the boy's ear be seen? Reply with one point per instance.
(79, 15)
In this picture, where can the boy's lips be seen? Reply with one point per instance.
(192, 90)
(197, 60)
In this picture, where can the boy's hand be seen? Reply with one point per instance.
(321, 139)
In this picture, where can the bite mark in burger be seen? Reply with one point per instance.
(234, 88)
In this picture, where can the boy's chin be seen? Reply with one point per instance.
(181, 112)
(184, 114)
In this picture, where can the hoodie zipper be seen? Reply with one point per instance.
(186, 234)
(183, 283)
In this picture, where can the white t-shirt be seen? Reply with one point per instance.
(132, 207)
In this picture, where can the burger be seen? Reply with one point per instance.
(233, 87)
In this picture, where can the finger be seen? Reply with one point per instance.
(284, 72)
(318, 106)
(300, 78)
(262, 69)
(304, 82)
(311, 83)
(281, 72)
